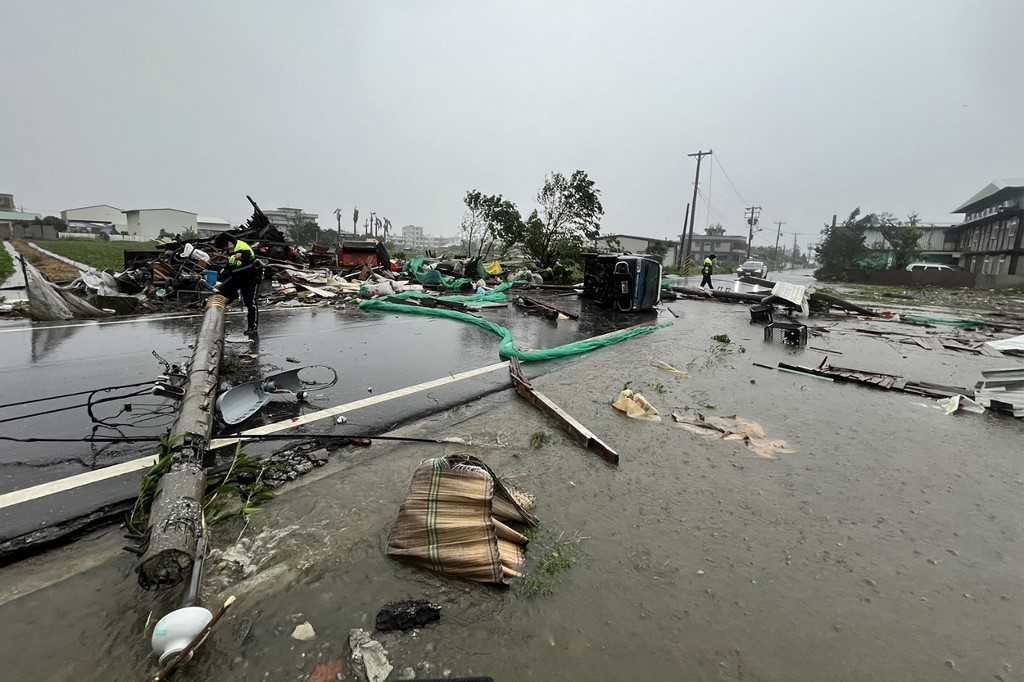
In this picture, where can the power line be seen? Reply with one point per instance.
(731, 183)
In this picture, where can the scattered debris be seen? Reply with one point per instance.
(453, 521)
(405, 615)
(889, 382)
(546, 309)
(304, 632)
(582, 434)
(635, 406)
(721, 338)
(793, 333)
(328, 671)
(677, 373)
(1002, 390)
(733, 428)
(369, 657)
(243, 401)
(960, 402)
(1013, 345)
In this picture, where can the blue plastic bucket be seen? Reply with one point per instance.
(211, 277)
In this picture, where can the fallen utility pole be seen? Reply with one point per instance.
(582, 434)
(176, 516)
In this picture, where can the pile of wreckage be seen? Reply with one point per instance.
(184, 273)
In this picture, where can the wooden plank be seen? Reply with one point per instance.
(568, 423)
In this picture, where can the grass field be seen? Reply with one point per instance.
(99, 254)
(6, 264)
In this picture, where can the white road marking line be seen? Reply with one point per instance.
(78, 480)
(144, 319)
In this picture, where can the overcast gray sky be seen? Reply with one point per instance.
(400, 107)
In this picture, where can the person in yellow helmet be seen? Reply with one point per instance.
(706, 269)
(241, 277)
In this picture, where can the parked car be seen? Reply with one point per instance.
(931, 267)
(752, 268)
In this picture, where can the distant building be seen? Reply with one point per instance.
(209, 226)
(412, 237)
(727, 248)
(15, 224)
(284, 217)
(989, 239)
(937, 243)
(148, 222)
(100, 213)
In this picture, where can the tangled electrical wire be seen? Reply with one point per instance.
(113, 410)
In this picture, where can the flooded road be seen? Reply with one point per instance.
(887, 546)
(374, 353)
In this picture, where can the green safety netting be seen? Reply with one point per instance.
(925, 321)
(495, 295)
(507, 348)
(433, 278)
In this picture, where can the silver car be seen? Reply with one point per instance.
(752, 268)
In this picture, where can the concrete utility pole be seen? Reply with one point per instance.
(682, 238)
(775, 256)
(176, 516)
(693, 202)
(752, 214)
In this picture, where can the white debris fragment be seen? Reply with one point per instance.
(304, 632)
(369, 656)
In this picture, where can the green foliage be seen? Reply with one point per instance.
(489, 220)
(103, 255)
(539, 439)
(557, 556)
(6, 265)
(842, 246)
(657, 249)
(721, 338)
(569, 218)
(138, 519)
(902, 237)
(302, 231)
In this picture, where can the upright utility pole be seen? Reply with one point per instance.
(682, 238)
(794, 249)
(752, 214)
(775, 256)
(693, 202)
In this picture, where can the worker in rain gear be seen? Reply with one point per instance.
(706, 269)
(241, 276)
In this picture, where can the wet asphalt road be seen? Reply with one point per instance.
(373, 353)
(886, 547)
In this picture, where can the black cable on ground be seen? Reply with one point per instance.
(244, 439)
(71, 395)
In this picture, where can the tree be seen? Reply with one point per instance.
(489, 220)
(715, 229)
(842, 245)
(302, 230)
(569, 217)
(355, 219)
(657, 249)
(902, 237)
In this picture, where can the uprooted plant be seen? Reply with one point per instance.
(556, 556)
